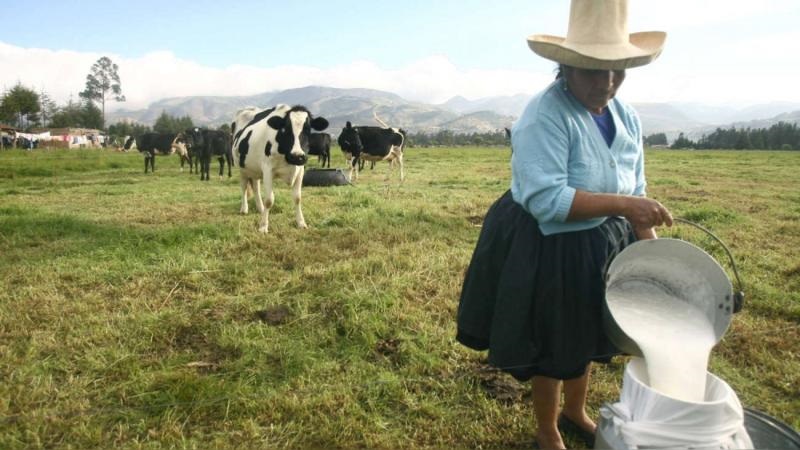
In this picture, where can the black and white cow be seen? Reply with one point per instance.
(370, 143)
(152, 144)
(319, 144)
(269, 144)
(129, 143)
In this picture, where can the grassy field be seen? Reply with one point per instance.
(142, 311)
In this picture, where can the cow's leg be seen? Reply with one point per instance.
(256, 187)
(353, 169)
(391, 168)
(244, 183)
(350, 172)
(297, 197)
(146, 163)
(221, 166)
(263, 227)
(400, 162)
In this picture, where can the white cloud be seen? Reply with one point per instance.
(158, 75)
(161, 74)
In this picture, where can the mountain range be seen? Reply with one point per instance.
(459, 115)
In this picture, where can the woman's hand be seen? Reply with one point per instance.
(643, 212)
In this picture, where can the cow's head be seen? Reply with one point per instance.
(293, 129)
(350, 141)
(194, 138)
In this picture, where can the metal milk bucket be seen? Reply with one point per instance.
(675, 267)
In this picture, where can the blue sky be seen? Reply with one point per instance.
(718, 51)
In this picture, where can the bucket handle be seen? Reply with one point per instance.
(738, 296)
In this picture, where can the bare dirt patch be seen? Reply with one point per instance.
(274, 315)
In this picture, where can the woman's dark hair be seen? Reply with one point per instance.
(560, 71)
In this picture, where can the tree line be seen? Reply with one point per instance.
(780, 136)
(447, 138)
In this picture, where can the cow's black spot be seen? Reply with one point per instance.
(268, 149)
(257, 118)
(244, 147)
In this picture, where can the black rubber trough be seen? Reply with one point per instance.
(324, 177)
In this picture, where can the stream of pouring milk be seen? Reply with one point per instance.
(675, 337)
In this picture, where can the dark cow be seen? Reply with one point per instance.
(152, 144)
(7, 141)
(319, 144)
(194, 141)
(270, 144)
(216, 143)
(204, 144)
(372, 144)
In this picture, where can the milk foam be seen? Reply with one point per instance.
(674, 336)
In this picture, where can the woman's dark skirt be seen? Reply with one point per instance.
(535, 301)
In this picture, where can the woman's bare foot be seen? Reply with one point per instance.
(582, 420)
(549, 439)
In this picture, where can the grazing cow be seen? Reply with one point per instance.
(152, 144)
(372, 144)
(319, 144)
(270, 144)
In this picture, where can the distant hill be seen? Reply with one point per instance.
(337, 105)
(664, 118)
(508, 106)
(458, 114)
(789, 117)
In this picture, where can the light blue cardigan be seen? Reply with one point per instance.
(558, 149)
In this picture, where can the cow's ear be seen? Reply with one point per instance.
(276, 122)
(319, 123)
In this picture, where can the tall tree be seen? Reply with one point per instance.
(21, 104)
(91, 116)
(103, 84)
(48, 108)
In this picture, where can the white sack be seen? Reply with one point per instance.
(645, 418)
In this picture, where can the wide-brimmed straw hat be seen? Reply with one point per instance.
(598, 38)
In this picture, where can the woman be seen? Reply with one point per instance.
(533, 292)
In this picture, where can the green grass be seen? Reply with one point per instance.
(142, 311)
